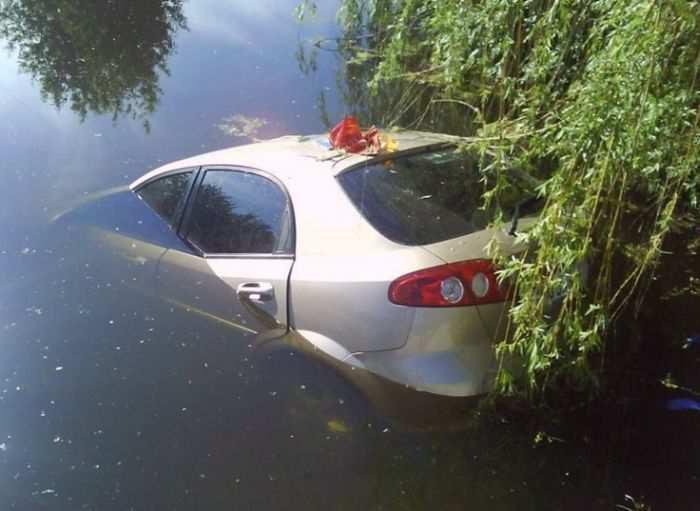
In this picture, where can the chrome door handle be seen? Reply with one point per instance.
(256, 291)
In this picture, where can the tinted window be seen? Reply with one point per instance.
(420, 199)
(166, 194)
(240, 213)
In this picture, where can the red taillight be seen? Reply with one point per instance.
(440, 286)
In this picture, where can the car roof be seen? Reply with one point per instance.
(286, 156)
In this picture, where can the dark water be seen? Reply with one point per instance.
(115, 397)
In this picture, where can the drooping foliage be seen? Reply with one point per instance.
(598, 99)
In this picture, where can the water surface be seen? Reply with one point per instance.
(114, 396)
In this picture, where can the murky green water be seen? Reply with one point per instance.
(113, 396)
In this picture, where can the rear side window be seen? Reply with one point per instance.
(166, 195)
(239, 212)
(419, 199)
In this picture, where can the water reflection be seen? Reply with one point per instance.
(100, 56)
(114, 395)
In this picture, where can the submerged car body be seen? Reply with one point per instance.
(378, 261)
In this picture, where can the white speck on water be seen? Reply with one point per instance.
(56, 439)
(302, 387)
(273, 393)
(96, 467)
(3, 447)
(43, 413)
(111, 321)
(202, 476)
(48, 491)
(386, 430)
(183, 409)
(59, 368)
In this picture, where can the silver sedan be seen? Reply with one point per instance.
(379, 262)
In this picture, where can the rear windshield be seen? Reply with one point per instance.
(420, 199)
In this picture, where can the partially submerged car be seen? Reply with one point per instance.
(379, 261)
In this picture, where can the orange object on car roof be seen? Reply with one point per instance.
(348, 136)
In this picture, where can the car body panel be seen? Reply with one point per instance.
(118, 222)
(334, 291)
(344, 298)
(296, 156)
(208, 287)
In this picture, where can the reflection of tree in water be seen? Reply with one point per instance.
(216, 227)
(101, 56)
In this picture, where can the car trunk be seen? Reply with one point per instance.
(434, 200)
(474, 246)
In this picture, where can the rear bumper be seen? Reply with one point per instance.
(466, 370)
(449, 352)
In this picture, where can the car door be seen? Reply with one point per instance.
(138, 237)
(238, 226)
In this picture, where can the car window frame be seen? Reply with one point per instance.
(182, 203)
(186, 219)
(382, 157)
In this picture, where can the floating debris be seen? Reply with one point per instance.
(337, 426)
(242, 126)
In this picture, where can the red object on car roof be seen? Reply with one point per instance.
(348, 136)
